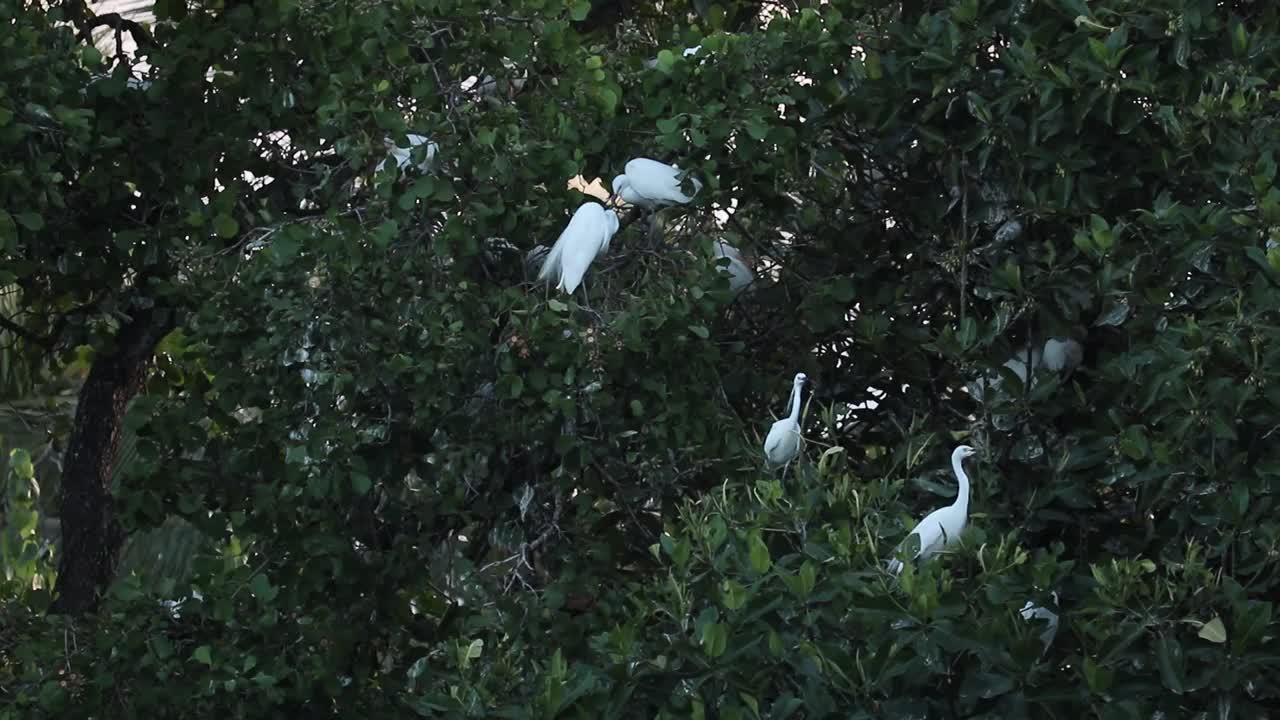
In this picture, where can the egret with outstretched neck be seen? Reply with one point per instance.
(782, 445)
(943, 526)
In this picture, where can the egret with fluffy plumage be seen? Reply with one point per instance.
(782, 444)
(587, 234)
(650, 184)
(943, 526)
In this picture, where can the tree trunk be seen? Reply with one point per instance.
(91, 533)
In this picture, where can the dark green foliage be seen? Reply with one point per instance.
(393, 478)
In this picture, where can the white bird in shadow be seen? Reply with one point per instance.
(650, 184)
(1031, 611)
(402, 156)
(587, 234)
(782, 444)
(740, 275)
(943, 526)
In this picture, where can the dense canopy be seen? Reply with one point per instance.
(291, 428)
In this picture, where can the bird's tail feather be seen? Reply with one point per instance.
(551, 265)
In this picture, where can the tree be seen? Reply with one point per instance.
(426, 486)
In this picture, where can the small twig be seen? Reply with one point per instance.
(964, 242)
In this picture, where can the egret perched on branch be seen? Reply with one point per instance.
(1031, 610)
(587, 234)
(740, 276)
(649, 184)
(404, 155)
(783, 442)
(943, 526)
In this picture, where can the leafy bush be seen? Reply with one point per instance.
(392, 477)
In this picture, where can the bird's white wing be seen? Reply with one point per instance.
(779, 440)
(551, 262)
(939, 529)
(579, 243)
(740, 276)
(724, 249)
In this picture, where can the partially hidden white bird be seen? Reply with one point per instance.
(782, 444)
(1061, 355)
(587, 234)
(1056, 356)
(402, 156)
(653, 62)
(1031, 611)
(649, 183)
(488, 86)
(943, 526)
(740, 275)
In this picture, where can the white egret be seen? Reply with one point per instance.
(404, 155)
(1031, 611)
(740, 275)
(1017, 363)
(943, 526)
(1056, 356)
(649, 183)
(783, 442)
(587, 234)
(1060, 355)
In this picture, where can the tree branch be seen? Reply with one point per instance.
(86, 21)
(16, 329)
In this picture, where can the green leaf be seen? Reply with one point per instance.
(203, 654)
(1214, 631)
(666, 59)
(225, 225)
(700, 331)
(758, 553)
(31, 221)
(1113, 314)
(1169, 659)
(715, 637)
(985, 685)
(580, 10)
(361, 483)
(20, 464)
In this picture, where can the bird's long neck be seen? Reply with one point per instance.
(795, 402)
(962, 496)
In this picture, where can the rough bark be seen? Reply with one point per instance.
(91, 532)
